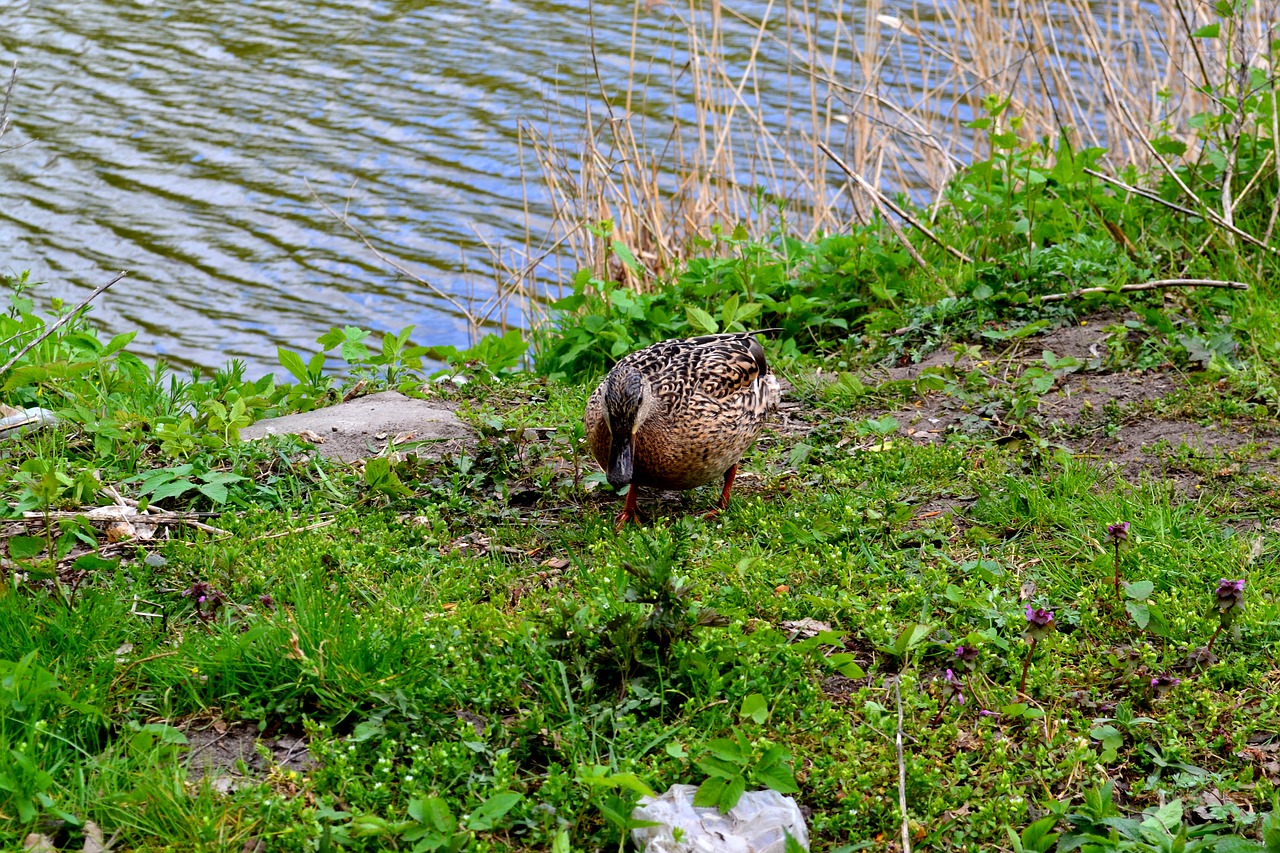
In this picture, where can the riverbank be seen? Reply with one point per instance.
(1023, 481)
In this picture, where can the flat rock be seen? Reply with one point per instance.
(362, 427)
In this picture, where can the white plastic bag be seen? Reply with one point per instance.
(757, 824)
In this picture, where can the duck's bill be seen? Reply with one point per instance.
(620, 469)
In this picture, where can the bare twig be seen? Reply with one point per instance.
(63, 320)
(8, 93)
(902, 773)
(292, 531)
(1147, 194)
(880, 198)
(159, 518)
(391, 262)
(1147, 285)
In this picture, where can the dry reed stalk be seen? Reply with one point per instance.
(752, 98)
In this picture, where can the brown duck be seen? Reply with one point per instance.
(680, 414)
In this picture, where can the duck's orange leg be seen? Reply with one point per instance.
(724, 496)
(629, 511)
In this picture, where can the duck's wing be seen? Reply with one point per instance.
(714, 367)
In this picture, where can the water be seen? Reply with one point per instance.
(194, 141)
(183, 141)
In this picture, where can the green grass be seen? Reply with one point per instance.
(419, 669)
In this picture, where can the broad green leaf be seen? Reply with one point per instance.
(726, 750)
(729, 311)
(700, 320)
(778, 776)
(1140, 612)
(628, 781)
(1038, 836)
(799, 453)
(487, 815)
(215, 492)
(911, 636)
(1168, 816)
(732, 792)
(433, 812)
(379, 476)
(755, 707)
(94, 563)
(292, 362)
(118, 343)
(845, 664)
(1139, 590)
(625, 255)
(25, 547)
(718, 768)
(172, 490)
(709, 792)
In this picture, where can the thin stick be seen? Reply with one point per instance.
(382, 256)
(8, 93)
(164, 518)
(881, 198)
(1148, 285)
(902, 773)
(1147, 194)
(61, 322)
(281, 533)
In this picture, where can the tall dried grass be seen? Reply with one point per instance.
(730, 99)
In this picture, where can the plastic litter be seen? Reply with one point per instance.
(26, 419)
(757, 824)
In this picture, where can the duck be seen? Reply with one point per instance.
(680, 414)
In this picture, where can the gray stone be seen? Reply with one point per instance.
(362, 427)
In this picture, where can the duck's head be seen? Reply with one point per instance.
(628, 401)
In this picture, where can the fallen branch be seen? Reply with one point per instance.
(902, 774)
(188, 519)
(1147, 285)
(63, 320)
(881, 199)
(1147, 194)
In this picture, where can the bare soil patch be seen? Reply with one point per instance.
(1106, 414)
(219, 754)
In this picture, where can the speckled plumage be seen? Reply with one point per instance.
(697, 405)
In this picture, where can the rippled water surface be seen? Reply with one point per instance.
(178, 140)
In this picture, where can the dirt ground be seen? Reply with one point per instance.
(227, 755)
(1094, 414)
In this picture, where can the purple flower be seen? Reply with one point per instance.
(985, 713)
(1162, 684)
(206, 598)
(1230, 601)
(953, 687)
(1230, 595)
(267, 601)
(1118, 532)
(1039, 622)
(966, 654)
